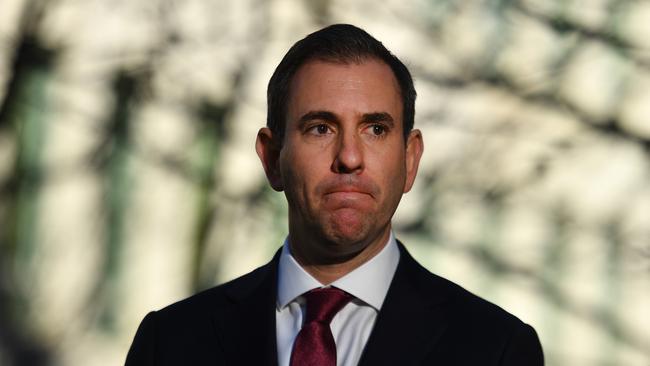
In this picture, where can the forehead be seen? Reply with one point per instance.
(368, 86)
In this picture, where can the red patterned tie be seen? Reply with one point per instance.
(314, 345)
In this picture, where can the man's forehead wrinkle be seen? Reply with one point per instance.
(347, 82)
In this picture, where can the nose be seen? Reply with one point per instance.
(349, 154)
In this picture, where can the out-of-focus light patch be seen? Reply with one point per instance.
(635, 317)
(190, 73)
(258, 242)
(596, 181)
(259, 76)
(386, 21)
(466, 33)
(68, 261)
(592, 14)
(10, 16)
(466, 270)
(411, 206)
(520, 297)
(582, 254)
(528, 53)
(106, 42)
(57, 21)
(634, 25)
(291, 20)
(71, 142)
(240, 167)
(242, 239)
(543, 6)
(511, 159)
(462, 218)
(483, 110)
(431, 103)
(190, 20)
(549, 126)
(525, 233)
(429, 59)
(241, 170)
(577, 327)
(635, 109)
(90, 348)
(408, 42)
(81, 94)
(592, 81)
(164, 130)
(635, 224)
(443, 145)
(633, 355)
(509, 153)
(245, 123)
(159, 224)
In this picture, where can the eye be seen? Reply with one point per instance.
(319, 129)
(378, 130)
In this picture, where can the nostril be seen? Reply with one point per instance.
(347, 165)
(349, 154)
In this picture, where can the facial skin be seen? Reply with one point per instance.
(343, 163)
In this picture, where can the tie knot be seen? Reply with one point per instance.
(324, 303)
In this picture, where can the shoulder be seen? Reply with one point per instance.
(465, 305)
(213, 299)
(505, 338)
(473, 307)
(185, 332)
(475, 322)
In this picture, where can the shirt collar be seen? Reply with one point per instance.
(368, 283)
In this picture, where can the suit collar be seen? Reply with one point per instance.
(368, 283)
(412, 319)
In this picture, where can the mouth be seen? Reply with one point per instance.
(347, 190)
(347, 197)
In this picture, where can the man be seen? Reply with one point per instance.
(340, 143)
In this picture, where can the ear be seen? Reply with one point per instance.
(268, 149)
(414, 149)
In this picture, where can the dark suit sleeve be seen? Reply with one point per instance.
(524, 348)
(142, 349)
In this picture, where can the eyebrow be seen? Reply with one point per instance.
(331, 117)
(378, 117)
(318, 115)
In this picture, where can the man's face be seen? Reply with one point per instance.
(343, 163)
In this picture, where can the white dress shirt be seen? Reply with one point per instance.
(352, 325)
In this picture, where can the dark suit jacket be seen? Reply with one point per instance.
(425, 320)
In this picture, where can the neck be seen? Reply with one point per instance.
(327, 269)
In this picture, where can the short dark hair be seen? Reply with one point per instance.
(338, 43)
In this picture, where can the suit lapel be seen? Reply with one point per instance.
(246, 326)
(412, 318)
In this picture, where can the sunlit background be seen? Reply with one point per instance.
(128, 177)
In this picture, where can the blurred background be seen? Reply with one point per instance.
(128, 177)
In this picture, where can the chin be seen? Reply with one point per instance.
(348, 229)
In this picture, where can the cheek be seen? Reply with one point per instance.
(393, 176)
(308, 162)
(299, 177)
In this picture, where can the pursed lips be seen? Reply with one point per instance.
(347, 192)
